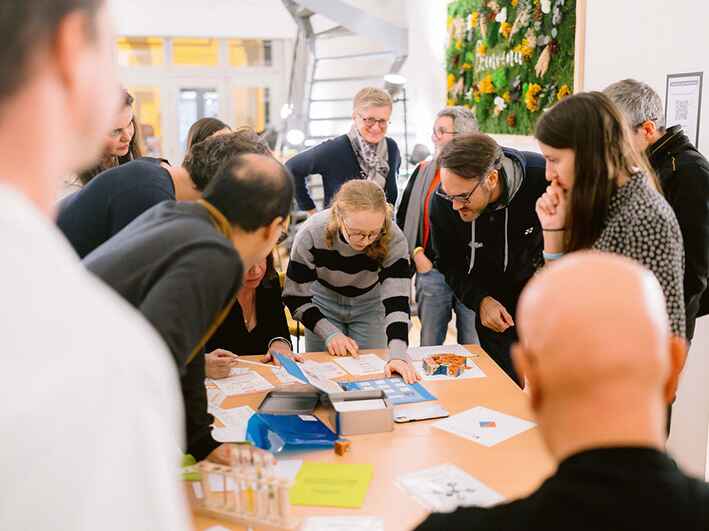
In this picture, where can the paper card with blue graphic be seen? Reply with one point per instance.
(291, 366)
(397, 391)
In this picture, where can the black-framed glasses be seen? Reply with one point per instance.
(361, 235)
(462, 198)
(370, 121)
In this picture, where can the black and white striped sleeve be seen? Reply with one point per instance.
(395, 289)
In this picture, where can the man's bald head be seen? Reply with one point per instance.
(594, 332)
(251, 191)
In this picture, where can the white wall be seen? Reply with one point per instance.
(203, 18)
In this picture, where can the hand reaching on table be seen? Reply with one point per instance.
(281, 347)
(404, 368)
(341, 345)
(219, 362)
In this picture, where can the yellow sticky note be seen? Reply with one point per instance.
(331, 485)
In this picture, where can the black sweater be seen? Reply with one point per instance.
(336, 161)
(684, 175)
(612, 489)
(270, 323)
(508, 240)
(179, 271)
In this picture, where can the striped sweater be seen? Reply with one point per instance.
(348, 273)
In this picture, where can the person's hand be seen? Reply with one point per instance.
(423, 264)
(282, 348)
(494, 316)
(551, 207)
(311, 212)
(219, 362)
(230, 454)
(224, 454)
(341, 345)
(404, 368)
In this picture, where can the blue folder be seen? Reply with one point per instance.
(396, 390)
(277, 433)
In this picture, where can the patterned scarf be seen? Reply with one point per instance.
(373, 159)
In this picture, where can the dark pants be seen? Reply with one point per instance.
(498, 346)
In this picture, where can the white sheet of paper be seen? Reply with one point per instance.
(446, 487)
(327, 370)
(327, 386)
(214, 396)
(235, 421)
(364, 364)
(248, 382)
(287, 468)
(419, 411)
(284, 376)
(343, 523)
(471, 372)
(359, 405)
(468, 425)
(419, 353)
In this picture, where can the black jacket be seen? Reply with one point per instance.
(508, 238)
(336, 162)
(684, 175)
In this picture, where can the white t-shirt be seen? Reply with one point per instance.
(90, 410)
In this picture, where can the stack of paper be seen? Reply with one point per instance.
(235, 420)
(331, 485)
(243, 383)
(444, 488)
(326, 370)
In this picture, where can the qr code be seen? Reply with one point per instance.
(682, 110)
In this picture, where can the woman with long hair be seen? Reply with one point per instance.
(603, 196)
(122, 143)
(348, 278)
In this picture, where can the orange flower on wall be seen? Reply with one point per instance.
(531, 99)
(563, 92)
(486, 85)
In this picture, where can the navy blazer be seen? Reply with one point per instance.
(336, 161)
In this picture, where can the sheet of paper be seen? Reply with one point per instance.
(484, 426)
(331, 485)
(343, 523)
(249, 382)
(419, 353)
(473, 371)
(214, 396)
(284, 376)
(327, 386)
(327, 370)
(359, 405)
(235, 421)
(446, 487)
(293, 368)
(364, 364)
(287, 468)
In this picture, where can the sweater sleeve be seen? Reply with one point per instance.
(395, 291)
(301, 166)
(300, 276)
(392, 190)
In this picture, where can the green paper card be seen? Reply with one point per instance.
(331, 485)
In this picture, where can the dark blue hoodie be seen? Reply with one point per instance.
(498, 253)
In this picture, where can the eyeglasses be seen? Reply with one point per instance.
(463, 198)
(370, 121)
(361, 235)
(438, 132)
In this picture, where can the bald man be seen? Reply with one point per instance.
(599, 386)
(181, 264)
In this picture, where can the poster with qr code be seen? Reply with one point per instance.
(683, 103)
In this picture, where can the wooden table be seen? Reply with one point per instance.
(514, 467)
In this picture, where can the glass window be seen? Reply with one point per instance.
(253, 107)
(140, 51)
(193, 105)
(249, 52)
(195, 52)
(147, 112)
